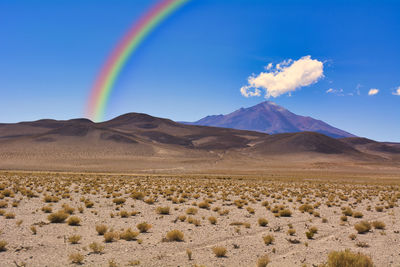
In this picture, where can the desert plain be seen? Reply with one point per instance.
(285, 218)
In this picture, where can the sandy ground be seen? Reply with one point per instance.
(244, 243)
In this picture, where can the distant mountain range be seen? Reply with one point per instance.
(139, 142)
(271, 118)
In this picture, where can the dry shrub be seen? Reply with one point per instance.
(149, 201)
(362, 227)
(236, 223)
(268, 239)
(33, 229)
(74, 239)
(347, 211)
(191, 211)
(250, 210)
(9, 215)
(223, 212)
(310, 234)
(379, 208)
(124, 214)
(163, 210)
(263, 261)
(119, 201)
(129, 235)
(7, 193)
(134, 213)
(58, 217)
(89, 204)
(49, 199)
(204, 205)
(143, 227)
(101, 229)
(3, 245)
(68, 209)
(47, 209)
(291, 231)
(137, 195)
(3, 204)
(306, 208)
(352, 236)
(134, 263)
(189, 254)
(110, 237)
(262, 222)
(285, 213)
(194, 221)
(293, 241)
(96, 247)
(378, 225)
(348, 259)
(76, 258)
(219, 251)
(73, 221)
(212, 220)
(112, 263)
(174, 235)
(362, 244)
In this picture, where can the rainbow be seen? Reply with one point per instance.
(101, 90)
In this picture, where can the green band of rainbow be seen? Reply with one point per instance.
(103, 86)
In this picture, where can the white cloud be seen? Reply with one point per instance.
(338, 92)
(248, 91)
(288, 76)
(269, 66)
(283, 64)
(397, 92)
(373, 91)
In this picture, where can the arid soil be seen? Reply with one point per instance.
(248, 216)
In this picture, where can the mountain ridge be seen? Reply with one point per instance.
(270, 118)
(137, 141)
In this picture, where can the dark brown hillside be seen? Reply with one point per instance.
(373, 146)
(357, 140)
(303, 142)
(169, 132)
(20, 129)
(137, 120)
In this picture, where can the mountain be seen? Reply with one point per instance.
(270, 118)
(140, 142)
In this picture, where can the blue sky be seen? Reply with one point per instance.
(195, 63)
